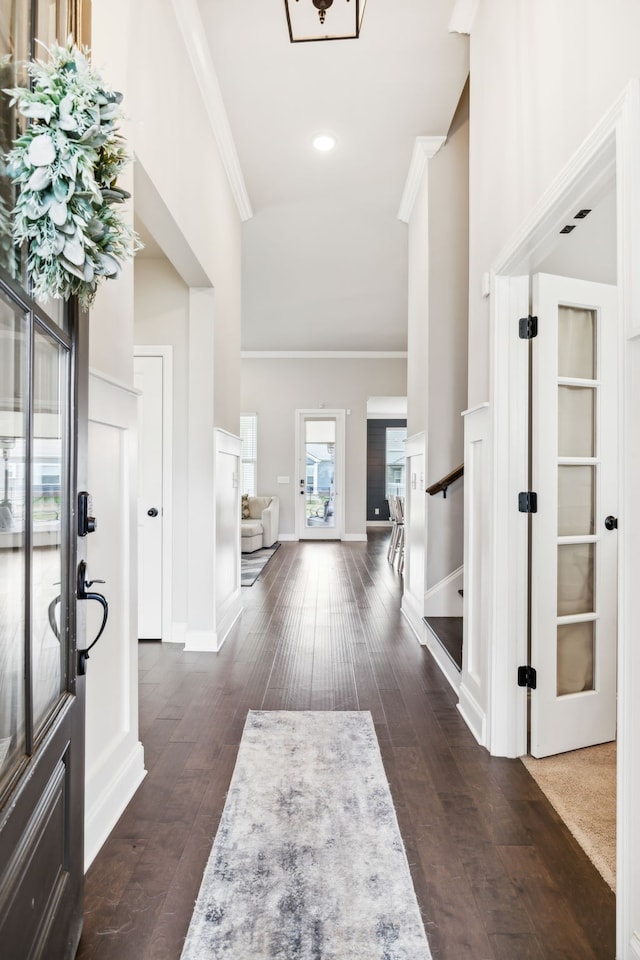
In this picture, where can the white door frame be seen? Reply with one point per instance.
(165, 351)
(340, 418)
(612, 150)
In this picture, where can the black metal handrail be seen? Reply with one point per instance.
(443, 484)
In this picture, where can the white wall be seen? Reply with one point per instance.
(542, 76)
(448, 216)
(139, 50)
(275, 388)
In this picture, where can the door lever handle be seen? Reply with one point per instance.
(85, 594)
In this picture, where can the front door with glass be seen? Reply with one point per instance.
(320, 456)
(42, 361)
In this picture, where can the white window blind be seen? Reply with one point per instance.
(249, 437)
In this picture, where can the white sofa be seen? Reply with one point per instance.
(260, 528)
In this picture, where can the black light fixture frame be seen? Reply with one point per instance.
(359, 5)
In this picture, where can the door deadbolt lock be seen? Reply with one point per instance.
(611, 523)
(152, 512)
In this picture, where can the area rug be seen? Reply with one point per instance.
(308, 862)
(581, 786)
(252, 564)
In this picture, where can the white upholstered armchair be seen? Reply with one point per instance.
(260, 520)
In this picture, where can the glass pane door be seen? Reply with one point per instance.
(320, 472)
(48, 521)
(13, 557)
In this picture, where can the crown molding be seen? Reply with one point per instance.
(193, 33)
(424, 149)
(323, 355)
(463, 15)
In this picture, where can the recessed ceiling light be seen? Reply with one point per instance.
(324, 142)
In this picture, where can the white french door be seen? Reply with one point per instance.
(574, 543)
(320, 478)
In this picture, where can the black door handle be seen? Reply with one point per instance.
(84, 594)
(611, 523)
(152, 512)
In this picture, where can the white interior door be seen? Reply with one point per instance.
(320, 475)
(149, 380)
(573, 552)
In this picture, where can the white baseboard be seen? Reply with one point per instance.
(201, 641)
(229, 617)
(473, 715)
(354, 538)
(379, 523)
(428, 640)
(178, 632)
(112, 785)
(443, 599)
(288, 538)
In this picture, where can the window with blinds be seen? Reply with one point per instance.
(249, 437)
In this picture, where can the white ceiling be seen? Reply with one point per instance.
(324, 255)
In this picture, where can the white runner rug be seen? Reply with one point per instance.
(308, 862)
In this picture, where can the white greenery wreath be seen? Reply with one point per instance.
(66, 165)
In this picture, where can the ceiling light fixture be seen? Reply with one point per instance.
(308, 19)
(324, 142)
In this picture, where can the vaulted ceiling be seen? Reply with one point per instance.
(324, 255)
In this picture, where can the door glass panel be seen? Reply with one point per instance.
(13, 423)
(48, 506)
(576, 421)
(576, 500)
(577, 343)
(15, 31)
(576, 578)
(320, 459)
(575, 671)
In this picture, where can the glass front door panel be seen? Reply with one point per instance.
(48, 612)
(320, 464)
(13, 558)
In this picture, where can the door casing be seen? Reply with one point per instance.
(165, 354)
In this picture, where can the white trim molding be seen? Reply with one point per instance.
(165, 352)
(443, 598)
(193, 32)
(425, 148)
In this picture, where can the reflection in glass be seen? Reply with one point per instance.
(15, 29)
(320, 460)
(576, 421)
(49, 449)
(12, 539)
(575, 660)
(576, 580)
(576, 500)
(577, 343)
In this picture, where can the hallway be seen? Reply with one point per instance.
(497, 875)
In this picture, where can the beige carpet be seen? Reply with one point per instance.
(581, 786)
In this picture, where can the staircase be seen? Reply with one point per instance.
(448, 633)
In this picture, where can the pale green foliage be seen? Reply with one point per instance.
(66, 166)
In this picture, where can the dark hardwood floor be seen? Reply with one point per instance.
(497, 875)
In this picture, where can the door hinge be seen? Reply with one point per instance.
(528, 502)
(528, 328)
(527, 677)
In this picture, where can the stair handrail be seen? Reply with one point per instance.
(444, 483)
